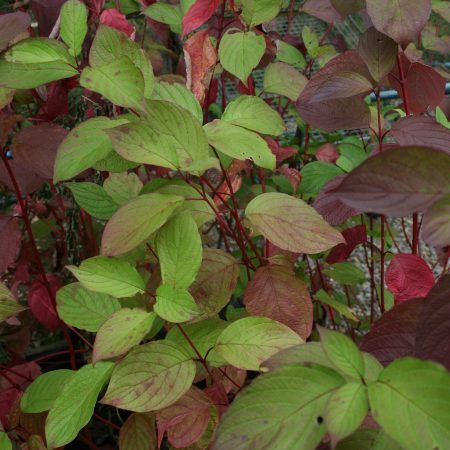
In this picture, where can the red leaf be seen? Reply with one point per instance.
(281, 153)
(35, 147)
(10, 239)
(7, 123)
(11, 26)
(21, 375)
(198, 14)
(354, 236)
(115, 19)
(46, 13)
(42, 305)
(323, 9)
(186, 420)
(27, 180)
(276, 292)
(57, 103)
(421, 130)
(7, 399)
(293, 176)
(201, 57)
(408, 276)
(425, 87)
(330, 207)
(327, 153)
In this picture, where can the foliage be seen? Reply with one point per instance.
(183, 267)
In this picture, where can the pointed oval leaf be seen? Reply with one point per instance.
(283, 79)
(122, 330)
(239, 143)
(256, 12)
(342, 352)
(299, 396)
(12, 25)
(275, 292)
(411, 401)
(44, 390)
(291, 224)
(240, 53)
(138, 433)
(135, 221)
(74, 407)
(198, 14)
(39, 50)
(254, 114)
(248, 342)
(150, 377)
(122, 187)
(393, 183)
(73, 27)
(5, 442)
(84, 309)
(175, 305)
(346, 409)
(109, 275)
(179, 248)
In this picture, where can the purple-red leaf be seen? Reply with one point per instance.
(276, 292)
(353, 236)
(10, 239)
(198, 14)
(323, 9)
(11, 26)
(42, 305)
(397, 182)
(421, 130)
(333, 210)
(408, 276)
(436, 224)
(113, 18)
(402, 20)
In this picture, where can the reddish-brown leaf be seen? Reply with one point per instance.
(7, 122)
(10, 239)
(21, 375)
(115, 19)
(333, 210)
(436, 224)
(46, 13)
(138, 433)
(198, 14)
(327, 153)
(186, 420)
(408, 276)
(42, 305)
(425, 88)
(354, 236)
(402, 20)
(7, 399)
(11, 26)
(27, 180)
(35, 147)
(347, 7)
(201, 57)
(421, 130)
(57, 102)
(323, 9)
(293, 176)
(276, 292)
(281, 153)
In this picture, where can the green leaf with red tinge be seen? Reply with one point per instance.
(436, 223)
(138, 433)
(291, 224)
(283, 79)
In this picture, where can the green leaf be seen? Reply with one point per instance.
(315, 175)
(239, 143)
(256, 12)
(240, 53)
(44, 390)
(73, 26)
(110, 45)
(83, 147)
(168, 14)
(282, 79)
(121, 187)
(345, 410)
(291, 224)
(351, 156)
(175, 305)
(345, 273)
(372, 367)
(109, 276)
(84, 309)
(6, 96)
(310, 40)
(336, 305)
(9, 308)
(5, 443)
(289, 54)
(29, 76)
(342, 352)
(122, 330)
(179, 248)
(39, 50)
(138, 433)
(204, 335)
(120, 81)
(298, 395)
(113, 162)
(150, 377)
(410, 400)
(135, 221)
(178, 94)
(248, 342)
(94, 199)
(74, 407)
(254, 114)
